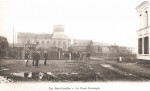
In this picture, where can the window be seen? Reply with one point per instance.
(146, 45)
(141, 21)
(59, 43)
(64, 43)
(54, 43)
(140, 46)
(146, 18)
(145, 11)
(64, 47)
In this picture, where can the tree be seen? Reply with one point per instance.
(3, 46)
(89, 47)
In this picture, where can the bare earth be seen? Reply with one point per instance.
(98, 70)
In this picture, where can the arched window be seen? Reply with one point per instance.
(146, 18)
(54, 43)
(59, 43)
(64, 43)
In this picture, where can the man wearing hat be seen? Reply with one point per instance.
(37, 58)
(45, 57)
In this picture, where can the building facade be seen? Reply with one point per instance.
(57, 39)
(88, 46)
(143, 32)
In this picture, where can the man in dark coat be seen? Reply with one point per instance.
(27, 57)
(37, 58)
(45, 57)
(88, 56)
(74, 57)
(77, 57)
(33, 57)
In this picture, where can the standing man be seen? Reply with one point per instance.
(63, 55)
(33, 58)
(45, 57)
(77, 57)
(27, 57)
(84, 56)
(74, 57)
(37, 58)
(88, 56)
(70, 56)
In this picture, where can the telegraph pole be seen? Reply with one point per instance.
(13, 36)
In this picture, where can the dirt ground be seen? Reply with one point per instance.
(64, 70)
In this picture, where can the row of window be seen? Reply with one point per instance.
(47, 42)
(143, 47)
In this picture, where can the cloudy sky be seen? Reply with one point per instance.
(108, 21)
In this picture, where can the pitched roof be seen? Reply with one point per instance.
(16, 45)
(142, 4)
(34, 36)
(60, 35)
(78, 42)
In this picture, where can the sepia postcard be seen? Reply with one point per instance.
(74, 45)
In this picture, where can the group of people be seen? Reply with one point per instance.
(35, 58)
(78, 56)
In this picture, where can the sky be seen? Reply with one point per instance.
(106, 21)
